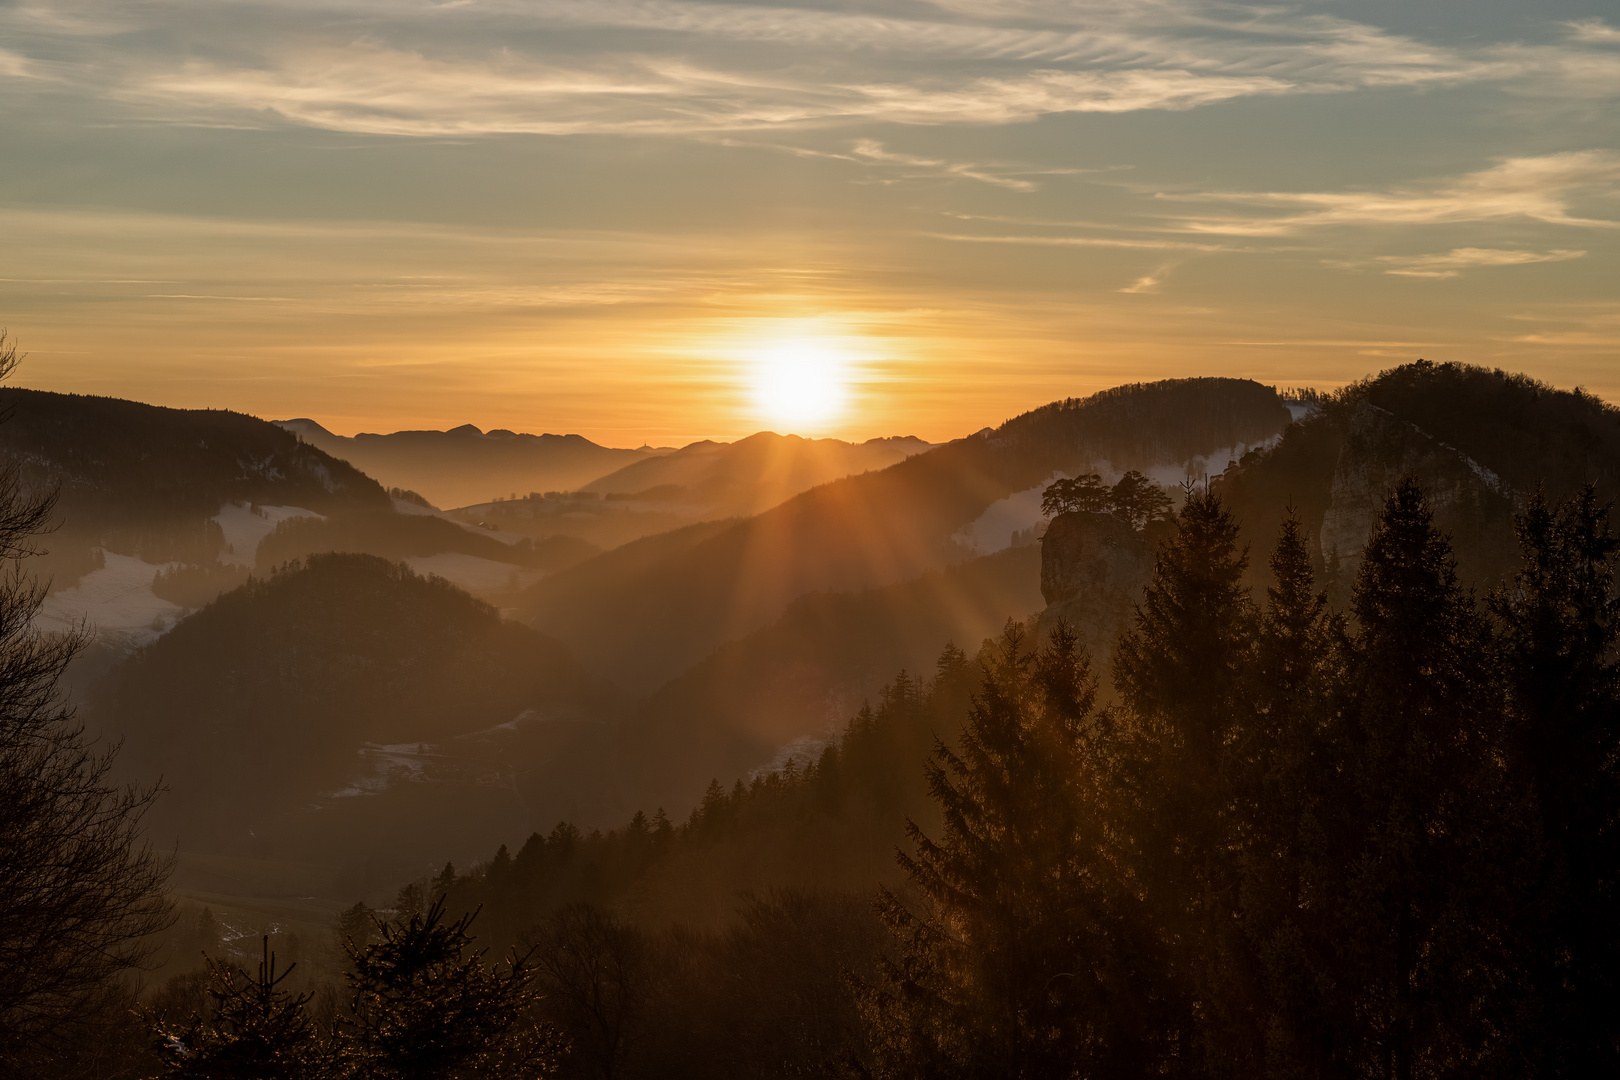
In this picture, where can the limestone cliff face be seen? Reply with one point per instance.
(1379, 448)
(1093, 568)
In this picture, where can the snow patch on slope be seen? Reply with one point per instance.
(245, 526)
(994, 529)
(116, 601)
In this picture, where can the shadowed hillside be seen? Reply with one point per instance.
(1480, 440)
(146, 481)
(398, 536)
(800, 677)
(339, 705)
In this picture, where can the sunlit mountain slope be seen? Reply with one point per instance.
(647, 619)
(752, 474)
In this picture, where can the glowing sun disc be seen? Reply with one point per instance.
(800, 383)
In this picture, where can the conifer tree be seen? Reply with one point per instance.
(1283, 777)
(1416, 826)
(255, 1030)
(1137, 500)
(1018, 960)
(426, 1007)
(1560, 627)
(1086, 493)
(1183, 671)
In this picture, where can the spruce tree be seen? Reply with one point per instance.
(427, 1008)
(1017, 960)
(1560, 627)
(1184, 671)
(254, 1030)
(1284, 777)
(1417, 824)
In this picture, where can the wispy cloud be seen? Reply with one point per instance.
(1451, 263)
(1541, 189)
(1149, 283)
(658, 66)
(1594, 30)
(367, 89)
(1128, 243)
(912, 166)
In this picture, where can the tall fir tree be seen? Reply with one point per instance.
(1417, 822)
(1560, 627)
(1284, 776)
(1018, 961)
(1183, 671)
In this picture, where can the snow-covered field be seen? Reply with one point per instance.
(117, 601)
(993, 529)
(244, 527)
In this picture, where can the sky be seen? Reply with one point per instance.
(663, 220)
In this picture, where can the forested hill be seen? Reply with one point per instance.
(1304, 842)
(258, 710)
(464, 465)
(146, 480)
(1480, 440)
(650, 617)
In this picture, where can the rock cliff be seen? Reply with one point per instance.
(1093, 568)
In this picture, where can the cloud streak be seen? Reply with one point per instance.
(1451, 263)
(1540, 189)
(658, 66)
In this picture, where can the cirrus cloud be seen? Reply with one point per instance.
(385, 67)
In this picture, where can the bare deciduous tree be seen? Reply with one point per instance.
(80, 890)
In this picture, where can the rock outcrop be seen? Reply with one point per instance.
(1093, 569)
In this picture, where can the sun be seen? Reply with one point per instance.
(801, 382)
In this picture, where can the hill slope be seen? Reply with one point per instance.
(1479, 439)
(752, 474)
(341, 706)
(146, 481)
(647, 618)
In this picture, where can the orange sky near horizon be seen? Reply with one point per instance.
(604, 218)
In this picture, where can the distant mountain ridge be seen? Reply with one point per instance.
(753, 474)
(464, 465)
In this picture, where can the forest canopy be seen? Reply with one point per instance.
(1302, 842)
